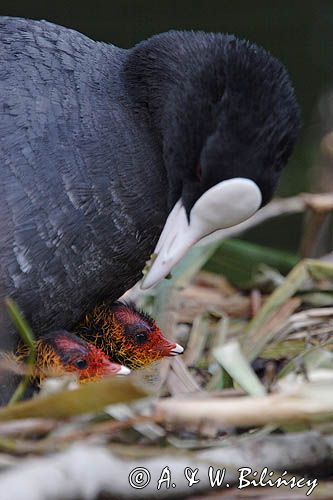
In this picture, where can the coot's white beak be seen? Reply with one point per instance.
(225, 204)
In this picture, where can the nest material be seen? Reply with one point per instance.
(254, 388)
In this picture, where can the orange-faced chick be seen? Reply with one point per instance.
(62, 352)
(126, 334)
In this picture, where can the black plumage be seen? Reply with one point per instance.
(98, 143)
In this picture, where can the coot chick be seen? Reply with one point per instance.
(62, 352)
(126, 334)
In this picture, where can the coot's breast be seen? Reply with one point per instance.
(83, 193)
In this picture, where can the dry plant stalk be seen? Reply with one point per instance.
(91, 397)
(275, 409)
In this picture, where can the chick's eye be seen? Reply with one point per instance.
(141, 337)
(81, 364)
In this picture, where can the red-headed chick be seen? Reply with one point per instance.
(126, 334)
(61, 352)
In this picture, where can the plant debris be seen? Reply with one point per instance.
(254, 388)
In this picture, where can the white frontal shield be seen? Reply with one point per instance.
(225, 204)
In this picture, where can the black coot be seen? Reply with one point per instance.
(102, 148)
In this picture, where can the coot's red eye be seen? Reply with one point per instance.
(199, 173)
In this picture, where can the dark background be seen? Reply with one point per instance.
(299, 32)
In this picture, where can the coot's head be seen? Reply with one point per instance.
(227, 119)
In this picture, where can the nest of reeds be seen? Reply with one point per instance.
(252, 394)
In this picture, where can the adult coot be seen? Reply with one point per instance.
(102, 148)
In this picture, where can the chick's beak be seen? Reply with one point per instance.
(177, 349)
(124, 370)
(115, 369)
(224, 205)
(172, 349)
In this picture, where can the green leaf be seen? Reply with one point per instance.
(234, 362)
(238, 261)
(28, 338)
